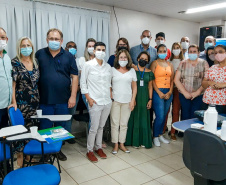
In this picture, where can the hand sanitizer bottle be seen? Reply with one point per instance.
(210, 119)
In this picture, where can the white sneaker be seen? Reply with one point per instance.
(156, 141)
(164, 140)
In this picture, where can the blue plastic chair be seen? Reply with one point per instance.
(34, 147)
(43, 174)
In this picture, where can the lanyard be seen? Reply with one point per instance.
(141, 75)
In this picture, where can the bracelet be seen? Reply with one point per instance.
(150, 99)
(112, 99)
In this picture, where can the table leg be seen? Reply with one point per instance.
(43, 160)
(5, 162)
(12, 157)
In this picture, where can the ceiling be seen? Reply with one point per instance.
(169, 8)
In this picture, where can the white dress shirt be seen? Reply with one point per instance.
(96, 81)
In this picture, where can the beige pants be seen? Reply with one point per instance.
(120, 113)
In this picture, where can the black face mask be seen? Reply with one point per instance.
(122, 47)
(142, 63)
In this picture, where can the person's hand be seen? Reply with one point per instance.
(167, 95)
(219, 85)
(212, 84)
(187, 95)
(91, 102)
(161, 95)
(149, 104)
(132, 105)
(195, 94)
(13, 105)
(71, 102)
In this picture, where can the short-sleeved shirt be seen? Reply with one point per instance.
(111, 60)
(122, 85)
(5, 81)
(55, 79)
(192, 76)
(215, 96)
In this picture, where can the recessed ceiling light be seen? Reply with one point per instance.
(206, 8)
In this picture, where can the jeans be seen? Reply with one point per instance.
(87, 106)
(188, 107)
(72, 112)
(4, 118)
(53, 109)
(160, 107)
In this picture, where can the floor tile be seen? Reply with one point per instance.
(174, 161)
(186, 172)
(66, 179)
(154, 182)
(112, 165)
(155, 152)
(154, 169)
(130, 176)
(73, 160)
(179, 153)
(172, 147)
(135, 158)
(85, 173)
(68, 149)
(106, 180)
(175, 178)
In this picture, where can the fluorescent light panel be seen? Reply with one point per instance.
(206, 8)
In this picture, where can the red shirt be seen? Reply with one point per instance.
(168, 53)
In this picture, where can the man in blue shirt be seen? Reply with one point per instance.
(209, 41)
(58, 72)
(5, 80)
(144, 46)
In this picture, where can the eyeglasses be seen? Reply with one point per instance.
(122, 45)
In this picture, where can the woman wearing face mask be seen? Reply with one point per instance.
(122, 43)
(162, 95)
(176, 57)
(188, 80)
(210, 56)
(215, 81)
(124, 90)
(139, 129)
(25, 75)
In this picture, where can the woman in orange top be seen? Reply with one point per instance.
(162, 94)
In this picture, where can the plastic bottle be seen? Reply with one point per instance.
(210, 119)
(223, 130)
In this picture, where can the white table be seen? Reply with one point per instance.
(54, 118)
(37, 137)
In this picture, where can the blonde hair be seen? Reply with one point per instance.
(181, 56)
(86, 53)
(32, 56)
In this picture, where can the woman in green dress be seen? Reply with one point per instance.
(139, 130)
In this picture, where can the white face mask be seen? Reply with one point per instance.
(184, 45)
(100, 55)
(158, 42)
(123, 63)
(3, 44)
(90, 50)
(176, 52)
(146, 40)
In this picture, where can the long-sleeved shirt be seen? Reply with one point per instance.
(96, 81)
(136, 50)
(5, 81)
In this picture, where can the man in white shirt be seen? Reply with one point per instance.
(185, 42)
(95, 84)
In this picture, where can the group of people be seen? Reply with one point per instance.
(130, 86)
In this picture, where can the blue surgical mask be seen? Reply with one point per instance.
(54, 45)
(192, 56)
(73, 51)
(207, 44)
(26, 51)
(162, 55)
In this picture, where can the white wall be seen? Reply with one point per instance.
(132, 23)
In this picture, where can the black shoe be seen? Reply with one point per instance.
(61, 156)
(71, 141)
(180, 134)
(63, 143)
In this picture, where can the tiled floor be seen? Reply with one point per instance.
(155, 166)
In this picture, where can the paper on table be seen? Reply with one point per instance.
(197, 126)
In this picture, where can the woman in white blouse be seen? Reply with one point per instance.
(124, 90)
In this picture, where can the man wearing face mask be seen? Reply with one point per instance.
(144, 46)
(5, 80)
(57, 68)
(209, 41)
(185, 42)
(95, 84)
(160, 39)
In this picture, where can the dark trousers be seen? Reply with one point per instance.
(188, 107)
(4, 119)
(55, 109)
